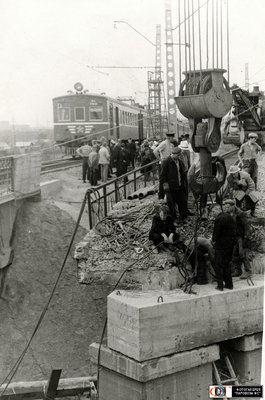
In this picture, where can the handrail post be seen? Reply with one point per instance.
(134, 181)
(105, 201)
(89, 209)
(124, 187)
(116, 190)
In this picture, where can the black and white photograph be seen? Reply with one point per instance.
(132, 199)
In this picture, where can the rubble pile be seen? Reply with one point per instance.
(120, 242)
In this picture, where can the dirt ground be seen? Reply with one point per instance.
(75, 317)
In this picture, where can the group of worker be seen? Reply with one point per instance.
(99, 158)
(226, 250)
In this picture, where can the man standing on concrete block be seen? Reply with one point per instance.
(161, 152)
(224, 240)
(174, 181)
(239, 253)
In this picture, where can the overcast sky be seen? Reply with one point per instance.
(46, 46)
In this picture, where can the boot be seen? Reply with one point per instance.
(236, 272)
(245, 275)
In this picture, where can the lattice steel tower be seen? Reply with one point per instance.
(172, 118)
(157, 118)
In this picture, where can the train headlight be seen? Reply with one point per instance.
(78, 86)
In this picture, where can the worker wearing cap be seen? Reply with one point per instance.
(242, 187)
(173, 180)
(161, 152)
(248, 154)
(240, 256)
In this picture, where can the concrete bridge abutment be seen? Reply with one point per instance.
(246, 354)
(183, 375)
(161, 344)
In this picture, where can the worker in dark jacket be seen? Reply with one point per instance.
(224, 240)
(122, 160)
(163, 230)
(174, 181)
(239, 252)
(201, 254)
(131, 147)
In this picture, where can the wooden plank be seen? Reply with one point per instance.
(37, 389)
(51, 390)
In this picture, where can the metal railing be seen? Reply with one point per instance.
(6, 175)
(101, 198)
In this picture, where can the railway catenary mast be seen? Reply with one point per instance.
(170, 69)
(157, 119)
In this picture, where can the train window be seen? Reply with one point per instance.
(80, 113)
(63, 114)
(95, 113)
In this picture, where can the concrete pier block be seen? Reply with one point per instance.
(143, 325)
(246, 354)
(183, 376)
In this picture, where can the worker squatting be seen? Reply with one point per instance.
(226, 251)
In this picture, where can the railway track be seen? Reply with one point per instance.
(60, 165)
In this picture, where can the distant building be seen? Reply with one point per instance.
(4, 146)
(24, 144)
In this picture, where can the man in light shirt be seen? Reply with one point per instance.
(104, 160)
(248, 154)
(83, 152)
